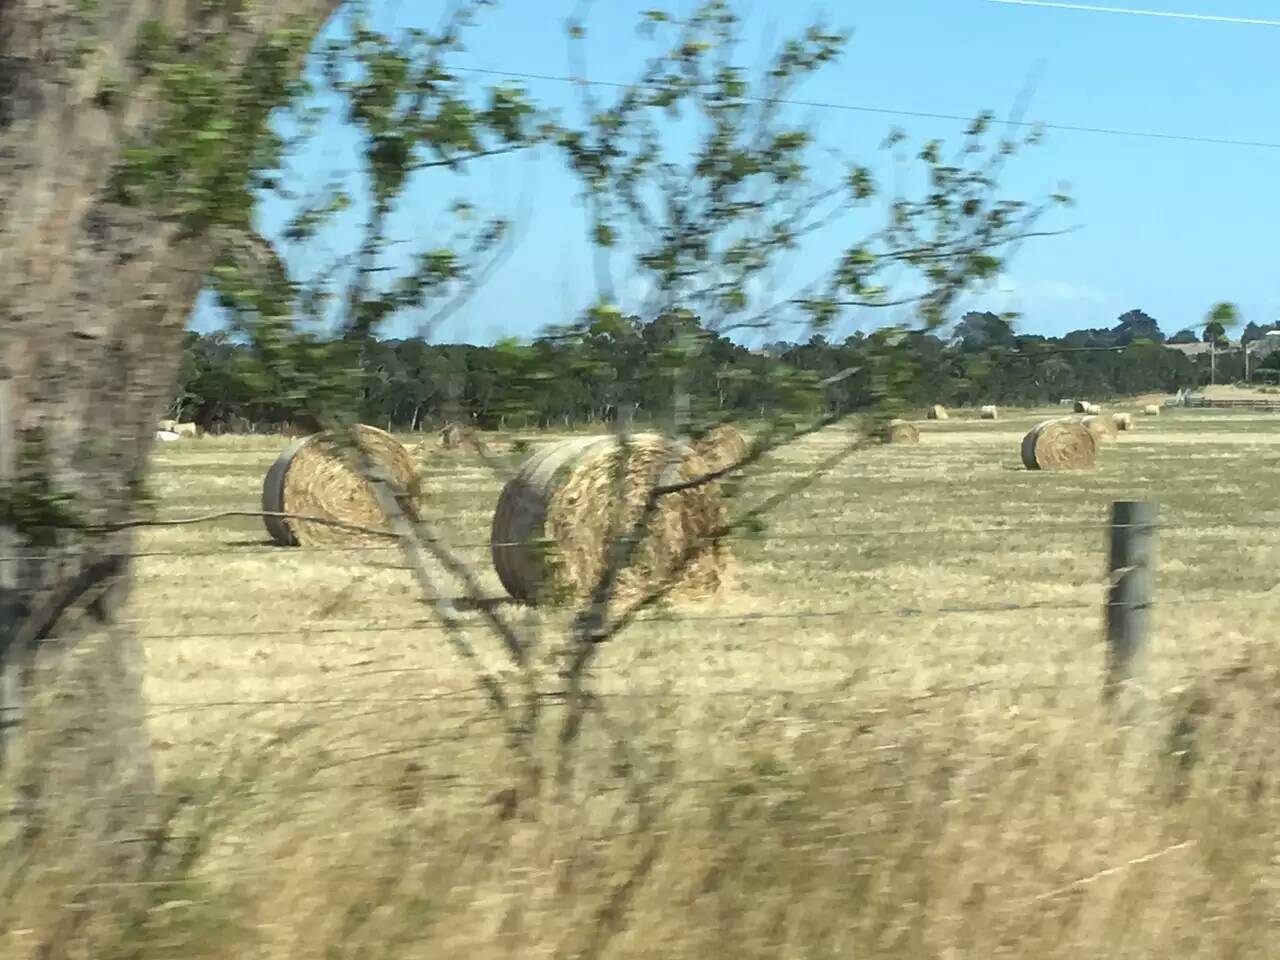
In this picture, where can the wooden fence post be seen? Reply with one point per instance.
(10, 690)
(1132, 573)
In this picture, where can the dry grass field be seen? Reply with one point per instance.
(884, 739)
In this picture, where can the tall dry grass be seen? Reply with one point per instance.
(981, 822)
(868, 784)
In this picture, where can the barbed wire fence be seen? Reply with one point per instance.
(1126, 595)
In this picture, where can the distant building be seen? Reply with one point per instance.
(1202, 349)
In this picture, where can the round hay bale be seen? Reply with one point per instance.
(1059, 445)
(1122, 421)
(937, 412)
(1151, 410)
(1081, 406)
(1093, 409)
(168, 436)
(899, 431)
(314, 479)
(1101, 427)
(989, 412)
(168, 426)
(559, 516)
(188, 430)
(721, 447)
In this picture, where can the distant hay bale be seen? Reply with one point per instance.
(1101, 427)
(1084, 406)
(167, 436)
(451, 436)
(989, 412)
(1123, 421)
(721, 447)
(899, 431)
(168, 426)
(558, 517)
(313, 478)
(1059, 444)
(1094, 409)
(937, 412)
(188, 430)
(1081, 406)
(1151, 410)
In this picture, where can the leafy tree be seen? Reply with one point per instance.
(1136, 325)
(981, 330)
(1219, 320)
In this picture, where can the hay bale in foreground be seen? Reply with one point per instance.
(313, 478)
(188, 430)
(937, 412)
(899, 431)
(1101, 427)
(721, 447)
(558, 518)
(1122, 421)
(1151, 410)
(1059, 445)
(989, 412)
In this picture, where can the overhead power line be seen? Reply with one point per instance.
(1137, 12)
(921, 114)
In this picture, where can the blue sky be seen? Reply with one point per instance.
(1164, 225)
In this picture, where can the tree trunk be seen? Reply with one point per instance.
(94, 298)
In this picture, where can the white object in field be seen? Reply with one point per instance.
(167, 435)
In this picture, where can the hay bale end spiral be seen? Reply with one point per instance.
(1059, 445)
(314, 478)
(558, 518)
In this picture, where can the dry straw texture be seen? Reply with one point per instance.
(721, 447)
(1123, 421)
(312, 478)
(899, 431)
(1059, 445)
(1151, 410)
(1102, 428)
(558, 518)
(989, 412)
(937, 412)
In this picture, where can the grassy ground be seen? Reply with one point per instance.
(882, 740)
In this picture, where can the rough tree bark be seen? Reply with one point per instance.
(94, 298)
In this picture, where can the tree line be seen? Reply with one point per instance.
(620, 365)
